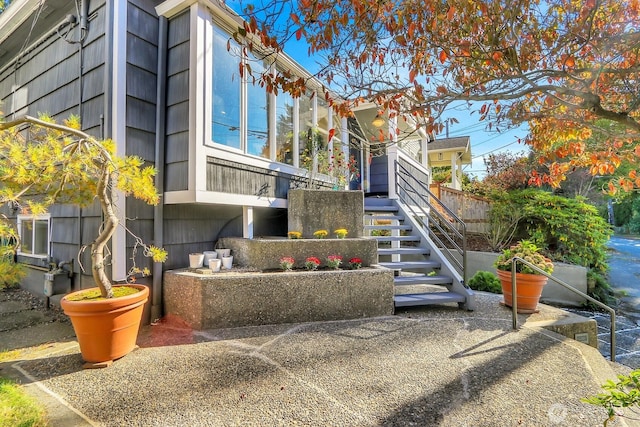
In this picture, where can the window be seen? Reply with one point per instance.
(258, 101)
(245, 116)
(284, 128)
(226, 91)
(34, 234)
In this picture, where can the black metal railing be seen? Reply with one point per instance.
(443, 226)
(514, 299)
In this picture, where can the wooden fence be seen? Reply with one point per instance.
(473, 210)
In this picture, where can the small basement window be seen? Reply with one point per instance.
(35, 235)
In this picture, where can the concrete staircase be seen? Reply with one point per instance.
(422, 274)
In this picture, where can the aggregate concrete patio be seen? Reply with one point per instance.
(424, 367)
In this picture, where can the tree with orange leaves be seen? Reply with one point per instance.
(568, 68)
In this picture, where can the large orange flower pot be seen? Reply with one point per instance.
(528, 288)
(106, 329)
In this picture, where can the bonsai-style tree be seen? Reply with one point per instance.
(42, 163)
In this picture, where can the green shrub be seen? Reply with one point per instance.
(568, 230)
(617, 395)
(485, 281)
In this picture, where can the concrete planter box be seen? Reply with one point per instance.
(312, 210)
(265, 254)
(234, 299)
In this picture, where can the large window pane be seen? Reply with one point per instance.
(284, 128)
(26, 237)
(41, 238)
(226, 91)
(308, 139)
(257, 113)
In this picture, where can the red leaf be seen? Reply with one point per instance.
(451, 13)
(443, 56)
(299, 34)
(331, 133)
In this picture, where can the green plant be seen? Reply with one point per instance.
(43, 163)
(503, 224)
(570, 230)
(334, 261)
(625, 393)
(341, 233)
(311, 263)
(529, 252)
(601, 290)
(320, 234)
(17, 408)
(355, 263)
(10, 272)
(286, 263)
(485, 281)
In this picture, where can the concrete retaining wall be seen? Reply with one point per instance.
(234, 299)
(312, 210)
(265, 254)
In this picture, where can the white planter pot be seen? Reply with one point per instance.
(196, 260)
(227, 262)
(209, 255)
(223, 252)
(214, 264)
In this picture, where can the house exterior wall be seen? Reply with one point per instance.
(111, 80)
(50, 75)
(177, 104)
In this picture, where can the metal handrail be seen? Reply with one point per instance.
(514, 299)
(419, 195)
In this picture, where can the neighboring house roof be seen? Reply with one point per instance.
(442, 150)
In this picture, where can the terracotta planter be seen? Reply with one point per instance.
(106, 329)
(529, 288)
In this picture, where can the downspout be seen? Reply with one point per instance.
(84, 12)
(108, 71)
(158, 210)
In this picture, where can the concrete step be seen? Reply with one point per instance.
(409, 300)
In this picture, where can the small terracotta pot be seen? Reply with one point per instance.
(528, 287)
(106, 329)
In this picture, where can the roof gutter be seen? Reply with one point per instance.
(15, 15)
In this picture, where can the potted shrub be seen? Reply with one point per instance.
(42, 163)
(529, 282)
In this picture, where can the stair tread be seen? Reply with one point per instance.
(414, 250)
(408, 300)
(397, 238)
(438, 279)
(388, 227)
(380, 208)
(385, 217)
(410, 264)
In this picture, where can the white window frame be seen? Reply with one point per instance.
(33, 218)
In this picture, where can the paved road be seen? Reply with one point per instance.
(624, 278)
(624, 274)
